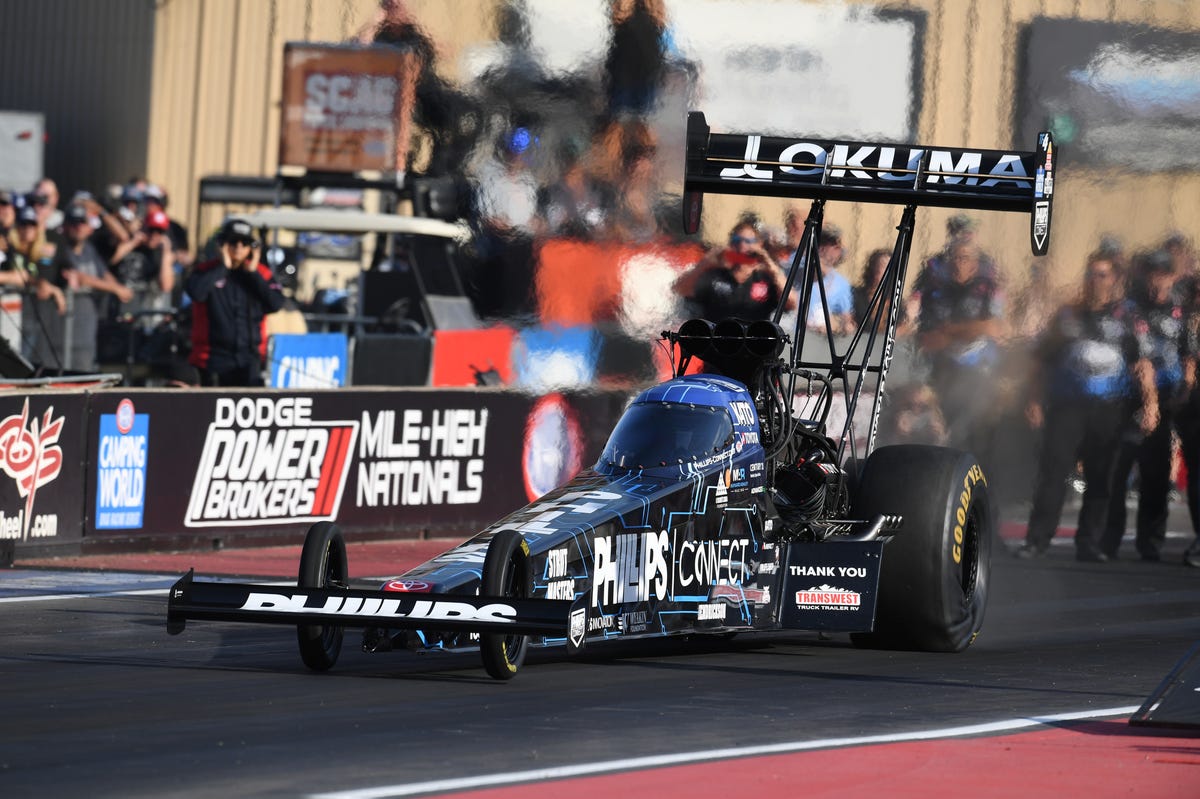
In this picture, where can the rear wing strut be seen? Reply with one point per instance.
(898, 174)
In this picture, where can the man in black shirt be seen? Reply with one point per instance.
(232, 295)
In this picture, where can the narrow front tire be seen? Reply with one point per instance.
(506, 573)
(322, 565)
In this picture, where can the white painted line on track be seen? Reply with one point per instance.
(685, 758)
(59, 597)
(84, 595)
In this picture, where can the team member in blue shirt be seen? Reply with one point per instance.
(959, 326)
(1089, 371)
(838, 292)
(1159, 321)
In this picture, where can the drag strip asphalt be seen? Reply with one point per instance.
(100, 701)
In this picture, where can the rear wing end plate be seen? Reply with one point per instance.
(854, 171)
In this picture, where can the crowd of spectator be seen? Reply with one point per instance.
(113, 280)
(98, 277)
(1091, 386)
(540, 155)
(112, 284)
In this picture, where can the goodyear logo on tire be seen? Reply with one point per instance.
(974, 475)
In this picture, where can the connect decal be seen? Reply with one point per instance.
(267, 459)
(31, 457)
(640, 567)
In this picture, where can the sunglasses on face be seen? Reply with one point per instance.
(736, 240)
(241, 242)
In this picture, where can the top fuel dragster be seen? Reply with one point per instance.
(720, 503)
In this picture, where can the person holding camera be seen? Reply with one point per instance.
(232, 295)
(741, 280)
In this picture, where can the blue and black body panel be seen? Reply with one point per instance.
(655, 543)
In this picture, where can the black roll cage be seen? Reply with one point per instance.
(799, 167)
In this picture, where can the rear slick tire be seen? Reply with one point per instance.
(322, 565)
(933, 583)
(506, 573)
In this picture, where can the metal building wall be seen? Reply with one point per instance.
(217, 83)
(972, 62)
(86, 65)
(218, 79)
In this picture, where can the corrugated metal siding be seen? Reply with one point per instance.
(86, 65)
(215, 108)
(217, 82)
(971, 67)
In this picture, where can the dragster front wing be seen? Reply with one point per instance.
(351, 607)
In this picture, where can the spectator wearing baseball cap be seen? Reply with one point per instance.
(158, 248)
(155, 199)
(78, 265)
(45, 198)
(29, 237)
(142, 263)
(44, 303)
(838, 293)
(13, 272)
(156, 221)
(232, 295)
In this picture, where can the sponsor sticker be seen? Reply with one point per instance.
(266, 459)
(577, 626)
(121, 468)
(408, 586)
(31, 457)
(381, 608)
(640, 567)
(826, 597)
(809, 161)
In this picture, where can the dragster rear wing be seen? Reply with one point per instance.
(899, 174)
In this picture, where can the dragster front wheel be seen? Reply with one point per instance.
(322, 565)
(505, 573)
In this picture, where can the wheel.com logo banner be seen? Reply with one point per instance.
(41, 450)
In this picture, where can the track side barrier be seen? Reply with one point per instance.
(145, 468)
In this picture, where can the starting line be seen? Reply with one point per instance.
(686, 758)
